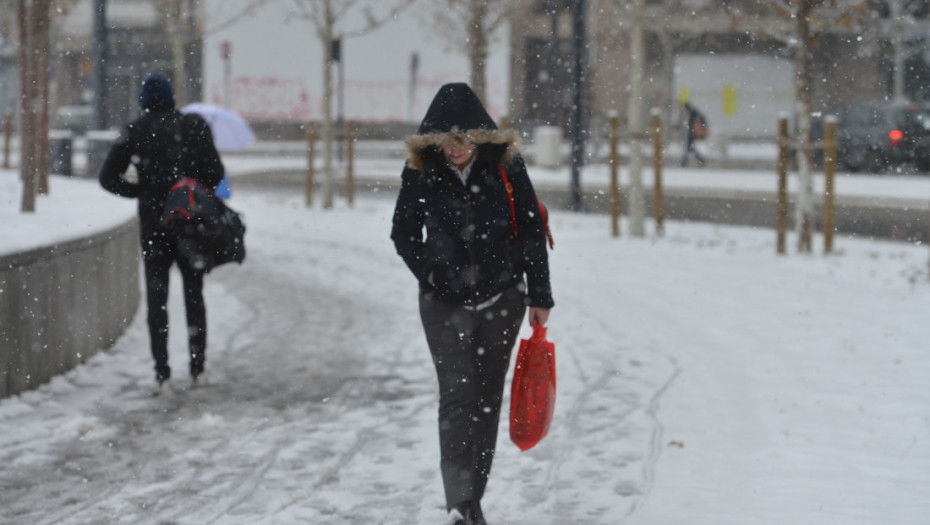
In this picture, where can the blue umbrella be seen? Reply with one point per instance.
(230, 132)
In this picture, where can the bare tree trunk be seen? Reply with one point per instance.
(324, 14)
(328, 176)
(805, 199)
(42, 45)
(27, 128)
(174, 16)
(478, 50)
(635, 114)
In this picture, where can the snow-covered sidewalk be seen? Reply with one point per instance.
(702, 380)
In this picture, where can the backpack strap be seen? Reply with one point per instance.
(543, 212)
(513, 210)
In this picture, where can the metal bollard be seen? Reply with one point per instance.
(60, 147)
(658, 199)
(350, 164)
(311, 141)
(781, 208)
(829, 173)
(614, 176)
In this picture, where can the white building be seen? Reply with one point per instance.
(274, 67)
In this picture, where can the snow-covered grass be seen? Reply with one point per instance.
(702, 380)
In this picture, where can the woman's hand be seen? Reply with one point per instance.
(539, 316)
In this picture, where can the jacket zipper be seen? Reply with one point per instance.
(471, 249)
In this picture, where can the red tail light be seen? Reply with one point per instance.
(894, 137)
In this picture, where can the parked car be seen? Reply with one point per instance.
(878, 137)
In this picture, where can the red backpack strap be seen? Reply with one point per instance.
(545, 218)
(513, 210)
(543, 212)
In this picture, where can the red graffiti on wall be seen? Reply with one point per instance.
(294, 100)
(268, 98)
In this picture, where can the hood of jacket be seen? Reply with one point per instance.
(456, 114)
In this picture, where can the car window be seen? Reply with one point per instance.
(882, 117)
(920, 119)
(861, 117)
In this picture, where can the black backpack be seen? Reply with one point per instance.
(208, 232)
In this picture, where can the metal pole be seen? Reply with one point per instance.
(551, 63)
(898, 51)
(227, 73)
(350, 167)
(340, 94)
(658, 199)
(829, 171)
(578, 117)
(99, 58)
(311, 141)
(7, 135)
(412, 94)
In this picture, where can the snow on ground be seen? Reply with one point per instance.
(702, 380)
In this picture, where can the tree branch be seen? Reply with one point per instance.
(248, 10)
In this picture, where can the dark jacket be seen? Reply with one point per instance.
(163, 146)
(469, 253)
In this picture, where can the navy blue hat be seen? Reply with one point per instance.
(156, 93)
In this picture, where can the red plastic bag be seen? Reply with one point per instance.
(532, 393)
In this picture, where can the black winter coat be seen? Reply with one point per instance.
(470, 254)
(163, 146)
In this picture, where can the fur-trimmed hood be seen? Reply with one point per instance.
(457, 114)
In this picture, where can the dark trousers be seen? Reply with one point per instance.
(159, 252)
(689, 149)
(471, 351)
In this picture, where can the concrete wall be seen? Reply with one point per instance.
(61, 304)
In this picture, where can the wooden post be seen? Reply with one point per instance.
(781, 207)
(7, 135)
(614, 178)
(311, 141)
(829, 172)
(350, 165)
(658, 208)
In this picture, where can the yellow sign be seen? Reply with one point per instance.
(729, 100)
(684, 95)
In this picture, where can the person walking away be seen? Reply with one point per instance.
(164, 146)
(476, 273)
(696, 129)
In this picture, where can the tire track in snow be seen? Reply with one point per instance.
(635, 378)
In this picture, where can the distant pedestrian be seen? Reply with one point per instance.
(164, 146)
(696, 129)
(470, 266)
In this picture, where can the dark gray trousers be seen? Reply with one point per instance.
(471, 351)
(159, 252)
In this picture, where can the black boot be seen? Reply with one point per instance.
(455, 518)
(474, 515)
(162, 373)
(198, 357)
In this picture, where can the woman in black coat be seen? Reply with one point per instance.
(479, 266)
